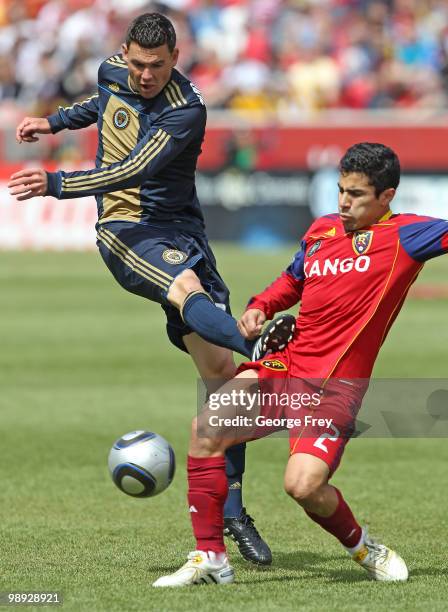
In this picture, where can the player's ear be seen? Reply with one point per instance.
(124, 50)
(387, 196)
(175, 56)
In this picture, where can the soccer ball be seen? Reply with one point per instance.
(142, 463)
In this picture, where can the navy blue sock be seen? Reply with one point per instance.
(214, 325)
(235, 463)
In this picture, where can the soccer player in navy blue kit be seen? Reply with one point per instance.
(151, 123)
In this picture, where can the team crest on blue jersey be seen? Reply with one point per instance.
(361, 242)
(314, 248)
(121, 118)
(174, 257)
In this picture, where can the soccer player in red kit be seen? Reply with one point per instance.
(351, 275)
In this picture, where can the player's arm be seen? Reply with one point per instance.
(284, 292)
(79, 115)
(425, 239)
(164, 142)
(150, 155)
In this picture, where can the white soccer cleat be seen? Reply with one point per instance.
(380, 562)
(201, 568)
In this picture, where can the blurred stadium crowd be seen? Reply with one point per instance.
(285, 58)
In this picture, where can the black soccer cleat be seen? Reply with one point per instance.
(250, 543)
(275, 337)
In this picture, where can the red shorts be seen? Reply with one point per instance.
(320, 421)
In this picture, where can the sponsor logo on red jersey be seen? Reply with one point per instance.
(336, 266)
(314, 248)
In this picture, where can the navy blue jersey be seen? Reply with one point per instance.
(147, 149)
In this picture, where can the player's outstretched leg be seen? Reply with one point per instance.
(215, 325)
(218, 327)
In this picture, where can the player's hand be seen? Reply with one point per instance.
(251, 323)
(26, 131)
(28, 184)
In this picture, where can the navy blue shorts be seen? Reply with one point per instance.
(145, 259)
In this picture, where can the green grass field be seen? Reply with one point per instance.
(82, 362)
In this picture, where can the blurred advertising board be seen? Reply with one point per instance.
(259, 186)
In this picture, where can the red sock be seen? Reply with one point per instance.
(207, 493)
(342, 524)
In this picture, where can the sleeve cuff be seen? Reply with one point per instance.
(56, 123)
(254, 303)
(54, 184)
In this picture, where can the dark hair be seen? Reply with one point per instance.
(378, 162)
(151, 30)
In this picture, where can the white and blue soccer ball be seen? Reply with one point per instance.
(142, 464)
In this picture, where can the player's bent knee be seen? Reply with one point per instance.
(303, 488)
(184, 283)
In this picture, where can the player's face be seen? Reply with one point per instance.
(359, 206)
(149, 69)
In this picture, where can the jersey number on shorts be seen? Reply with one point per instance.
(319, 443)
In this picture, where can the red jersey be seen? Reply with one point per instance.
(351, 287)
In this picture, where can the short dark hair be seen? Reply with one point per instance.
(378, 162)
(151, 30)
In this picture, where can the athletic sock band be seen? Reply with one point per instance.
(207, 492)
(213, 324)
(190, 296)
(341, 524)
(235, 464)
